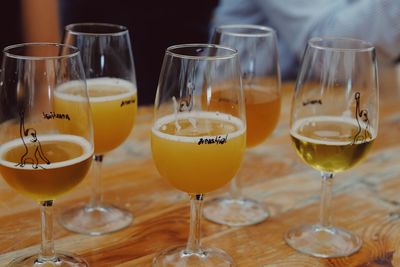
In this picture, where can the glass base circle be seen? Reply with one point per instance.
(95, 221)
(179, 256)
(62, 260)
(235, 212)
(323, 242)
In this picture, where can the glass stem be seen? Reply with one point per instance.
(47, 252)
(325, 215)
(196, 205)
(96, 196)
(235, 191)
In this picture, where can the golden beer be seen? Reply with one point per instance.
(331, 144)
(114, 105)
(198, 152)
(64, 162)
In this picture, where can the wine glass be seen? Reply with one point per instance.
(198, 135)
(108, 62)
(46, 139)
(261, 85)
(334, 122)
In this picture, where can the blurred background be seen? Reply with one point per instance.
(153, 26)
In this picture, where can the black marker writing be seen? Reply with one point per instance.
(52, 115)
(312, 102)
(219, 140)
(33, 151)
(185, 104)
(362, 134)
(127, 102)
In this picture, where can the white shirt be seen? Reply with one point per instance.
(296, 21)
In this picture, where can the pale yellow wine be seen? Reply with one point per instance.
(114, 105)
(27, 172)
(198, 152)
(330, 144)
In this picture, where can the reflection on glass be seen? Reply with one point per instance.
(334, 122)
(108, 62)
(45, 151)
(261, 85)
(196, 145)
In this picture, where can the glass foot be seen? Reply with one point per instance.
(179, 256)
(62, 260)
(235, 212)
(323, 242)
(95, 221)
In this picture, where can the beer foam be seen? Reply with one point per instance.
(108, 84)
(88, 150)
(193, 115)
(66, 90)
(71, 91)
(261, 94)
(335, 119)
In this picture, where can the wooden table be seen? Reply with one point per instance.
(366, 200)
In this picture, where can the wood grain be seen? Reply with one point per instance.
(366, 201)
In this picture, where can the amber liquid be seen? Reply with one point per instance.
(331, 144)
(65, 161)
(198, 154)
(262, 102)
(262, 113)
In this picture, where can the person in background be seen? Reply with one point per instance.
(40, 21)
(296, 21)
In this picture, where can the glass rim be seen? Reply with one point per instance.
(363, 46)
(72, 51)
(233, 52)
(263, 31)
(119, 29)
